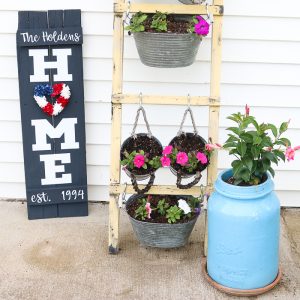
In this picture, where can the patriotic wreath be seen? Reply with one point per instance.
(59, 90)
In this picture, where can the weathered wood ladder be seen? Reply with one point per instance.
(118, 98)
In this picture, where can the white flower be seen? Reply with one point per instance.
(65, 92)
(182, 204)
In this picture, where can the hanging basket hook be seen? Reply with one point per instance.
(141, 99)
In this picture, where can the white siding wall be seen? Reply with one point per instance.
(261, 67)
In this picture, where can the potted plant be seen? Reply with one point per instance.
(167, 40)
(163, 221)
(187, 154)
(140, 155)
(244, 211)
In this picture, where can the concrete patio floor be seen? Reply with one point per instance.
(68, 259)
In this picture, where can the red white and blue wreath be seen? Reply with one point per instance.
(59, 90)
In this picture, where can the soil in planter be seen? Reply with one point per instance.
(155, 215)
(186, 143)
(151, 146)
(173, 25)
(230, 180)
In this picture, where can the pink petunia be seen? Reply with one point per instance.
(148, 210)
(167, 150)
(202, 27)
(247, 110)
(139, 160)
(165, 161)
(182, 158)
(211, 147)
(202, 158)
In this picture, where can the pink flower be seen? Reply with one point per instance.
(167, 150)
(290, 152)
(202, 158)
(202, 27)
(247, 110)
(182, 158)
(165, 161)
(148, 210)
(139, 160)
(211, 147)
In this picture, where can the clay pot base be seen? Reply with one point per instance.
(239, 292)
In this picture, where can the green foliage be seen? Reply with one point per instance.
(255, 146)
(191, 28)
(159, 22)
(174, 213)
(162, 207)
(137, 22)
(155, 162)
(128, 160)
(140, 212)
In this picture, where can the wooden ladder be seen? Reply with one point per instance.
(118, 99)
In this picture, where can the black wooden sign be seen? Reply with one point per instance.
(49, 48)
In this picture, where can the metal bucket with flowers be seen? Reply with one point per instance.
(163, 221)
(166, 40)
(187, 154)
(140, 155)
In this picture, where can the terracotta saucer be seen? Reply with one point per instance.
(239, 292)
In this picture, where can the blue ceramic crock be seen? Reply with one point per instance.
(243, 234)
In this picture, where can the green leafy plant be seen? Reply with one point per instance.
(159, 22)
(141, 212)
(137, 22)
(162, 207)
(174, 214)
(139, 159)
(255, 147)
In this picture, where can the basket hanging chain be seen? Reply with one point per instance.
(126, 19)
(210, 17)
(141, 109)
(188, 110)
(122, 199)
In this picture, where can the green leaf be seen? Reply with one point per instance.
(285, 141)
(246, 137)
(279, 154)
(271, 170)
(241, 148)
(257, 140)
(230, 145)
(235, 130)
(283, 127)
(144, 166)
(142, 152)
(273, 129)
(248, 162)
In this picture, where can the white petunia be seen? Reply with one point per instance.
(65, 92)
(182, 204)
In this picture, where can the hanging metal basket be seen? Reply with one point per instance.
(187, 142)
(167, 50)
(138, 142)
(161, 235)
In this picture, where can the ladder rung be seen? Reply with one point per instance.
(156, 190)
(165, 100)
(216, 10)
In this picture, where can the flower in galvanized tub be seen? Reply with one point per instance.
(167, 40)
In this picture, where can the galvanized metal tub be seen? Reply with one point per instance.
(161, 235)
(167, 50)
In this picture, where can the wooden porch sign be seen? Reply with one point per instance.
(49, 48)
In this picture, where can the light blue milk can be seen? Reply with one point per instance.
(243, 234)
